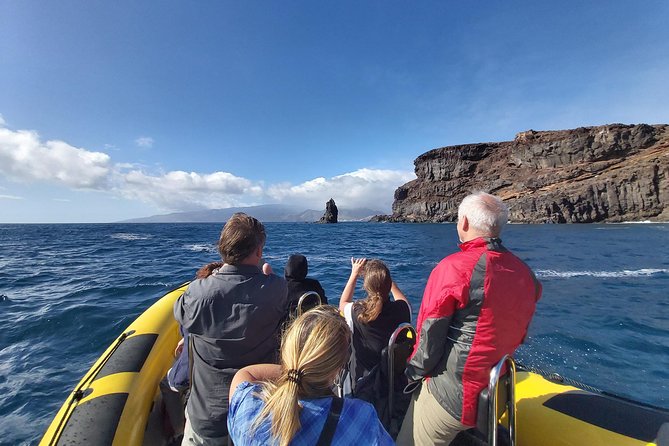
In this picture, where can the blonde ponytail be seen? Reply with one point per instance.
(313, 350)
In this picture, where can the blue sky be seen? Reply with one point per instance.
(113, 110)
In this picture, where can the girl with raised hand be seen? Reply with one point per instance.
(292, 403)
(373, 319)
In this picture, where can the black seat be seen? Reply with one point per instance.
(384, 385)
(400, 347)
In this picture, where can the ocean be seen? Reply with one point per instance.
(67, 291)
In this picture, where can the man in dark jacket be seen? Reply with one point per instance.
(298, 283)
(218, 311)
(476, 308)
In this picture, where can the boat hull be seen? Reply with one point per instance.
(112, 403)
(556, 414)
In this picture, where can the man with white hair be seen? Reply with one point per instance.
(476, 308)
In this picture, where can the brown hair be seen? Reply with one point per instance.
(241, 235)
(207, 270)
(313, 350)
(377, 283)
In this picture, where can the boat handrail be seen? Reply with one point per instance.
(510, 403)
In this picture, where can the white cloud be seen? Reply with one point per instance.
(2, 121)
(144, 142)
(24, 158)
(126, 165)
(178, 190)
(10, 197)
(368, 188)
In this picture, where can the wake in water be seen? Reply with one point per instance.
(609, 274)
(129, 236)
(200, 247)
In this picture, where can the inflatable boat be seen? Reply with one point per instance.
(115, 402)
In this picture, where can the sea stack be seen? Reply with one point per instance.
(331, 212)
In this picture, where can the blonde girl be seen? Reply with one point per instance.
(291, 403)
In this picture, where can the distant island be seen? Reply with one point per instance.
(609, 173)
(264, 213)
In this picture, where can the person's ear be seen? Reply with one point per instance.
(465, 224)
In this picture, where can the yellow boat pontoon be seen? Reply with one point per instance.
(115, 402)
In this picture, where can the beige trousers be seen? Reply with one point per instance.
(192, 438)
(427, 423)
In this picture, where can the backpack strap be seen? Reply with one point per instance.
(327, 434)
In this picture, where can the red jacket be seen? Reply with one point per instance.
(476, 308)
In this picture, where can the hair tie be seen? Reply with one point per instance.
(295, 375)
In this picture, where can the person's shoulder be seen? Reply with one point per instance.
(245, 388)
(399, 304)
(201, 289)
(356, 308)
(358, 408)
(363, 424)
(402, 309)
(312, 282)
(447, 263)
(457, 264)
(245, 395)
(244, 408)
(272, 280)
(459, 256)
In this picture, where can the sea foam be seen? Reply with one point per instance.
(200, 247)
(129, 236)
(609, 274)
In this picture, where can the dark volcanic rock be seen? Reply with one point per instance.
(331, 212)
(610, 173)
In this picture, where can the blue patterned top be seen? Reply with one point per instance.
(358, 423)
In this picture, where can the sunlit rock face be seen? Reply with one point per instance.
(609, 173)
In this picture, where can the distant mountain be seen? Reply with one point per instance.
(264, 213)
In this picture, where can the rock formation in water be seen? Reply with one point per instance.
(609, 173)
(331, 212)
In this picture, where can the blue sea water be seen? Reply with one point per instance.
(66, 291)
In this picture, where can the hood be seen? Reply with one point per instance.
(296, 267)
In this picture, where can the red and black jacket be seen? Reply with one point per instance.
(476, 308)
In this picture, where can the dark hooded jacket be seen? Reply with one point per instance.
(298, 282)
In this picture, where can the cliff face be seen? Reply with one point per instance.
(609, 173)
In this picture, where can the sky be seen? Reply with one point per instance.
(112, 110)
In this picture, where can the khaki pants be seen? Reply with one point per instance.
(192, 438)
(427, 423)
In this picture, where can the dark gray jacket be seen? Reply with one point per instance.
(233, 317)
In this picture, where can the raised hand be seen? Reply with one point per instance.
(357, 266)
(267, 269)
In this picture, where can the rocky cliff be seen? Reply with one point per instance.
(610, 173)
